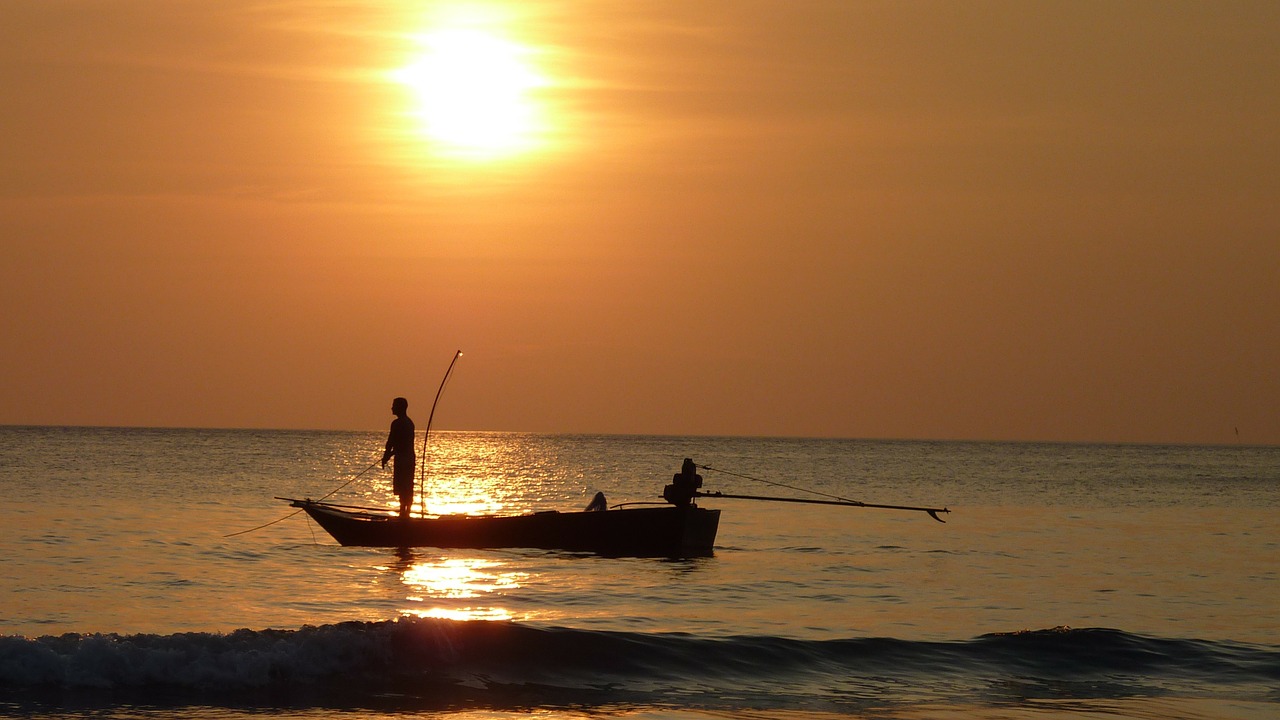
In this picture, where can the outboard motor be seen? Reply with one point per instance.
(684, 485)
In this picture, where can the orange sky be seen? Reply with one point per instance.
(982, 220)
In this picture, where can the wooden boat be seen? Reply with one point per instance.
(680, 529)
(665, 531)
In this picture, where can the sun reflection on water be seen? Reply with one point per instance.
(457, 588)
(480, 474)
(485, 475)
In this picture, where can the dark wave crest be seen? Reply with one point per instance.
(441, 663)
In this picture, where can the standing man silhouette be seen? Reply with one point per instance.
(400, 446)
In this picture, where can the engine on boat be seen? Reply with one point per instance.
(684, 485)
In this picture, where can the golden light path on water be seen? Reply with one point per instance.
(465, 477)
(468, 579)
(475, 86)
(458, 477)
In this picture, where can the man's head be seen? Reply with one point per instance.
(399, 406)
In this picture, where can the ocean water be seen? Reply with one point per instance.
(152, 573)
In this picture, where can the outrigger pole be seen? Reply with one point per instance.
(422, 466)
(933, 512)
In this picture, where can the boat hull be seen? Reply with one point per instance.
(630, 532)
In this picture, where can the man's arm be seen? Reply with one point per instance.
(391, 444)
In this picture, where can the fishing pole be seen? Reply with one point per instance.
(422, 467)
(835, 499)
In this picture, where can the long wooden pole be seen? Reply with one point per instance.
(933, 512)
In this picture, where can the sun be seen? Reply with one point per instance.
(474, 93)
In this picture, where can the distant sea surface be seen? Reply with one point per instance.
(1076, 581)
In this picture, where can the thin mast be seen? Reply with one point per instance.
(422, 466)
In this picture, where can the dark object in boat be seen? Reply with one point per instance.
(687, 531)
(684, 485)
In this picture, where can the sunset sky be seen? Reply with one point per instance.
(955, 220)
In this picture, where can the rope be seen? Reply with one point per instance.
(295, 512)
(273, 522)
(778, 484)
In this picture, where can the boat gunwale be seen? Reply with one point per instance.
(366, 513)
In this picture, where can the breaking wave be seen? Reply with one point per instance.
(442, 663)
